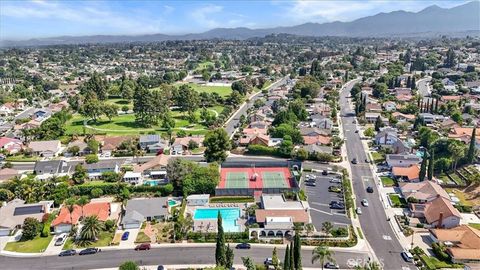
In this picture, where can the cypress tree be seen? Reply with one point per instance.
(413, 83)
(431, 164)
(436, 105)
(432, 107)
(427, 106)
(471, 148)
(297, 252)
(409, 82)
(292, 259)
(378, 124)
(229, 256)
(220, 256)
(286, 260)
(423, 167)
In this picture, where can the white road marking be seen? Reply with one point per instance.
(320, 211)
(387, 237)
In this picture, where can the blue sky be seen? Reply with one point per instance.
(42, 18)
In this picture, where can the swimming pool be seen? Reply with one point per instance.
(151, 183)
(172, 202)
(229, 217)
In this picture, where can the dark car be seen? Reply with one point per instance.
(125, 236)
(144, 246)
(354, 161)
(310, 183)
(339, 206)
(161, 267)
(324, 172)
(369, 189)
(89, 251)
(243, 246)
(68, 252)
(330, 265)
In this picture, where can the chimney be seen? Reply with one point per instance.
(440, 220)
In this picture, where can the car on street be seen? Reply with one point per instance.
(310, 183)
(358, 211)
(311, 176)
(331, 265)
(243, 246)
(407, 256)
(324, 172)
(335, 180)
(61, 239)
(89, 251)
(335, 189)
(365, 202)
(354, 161)
(356, 131)
(144, 246)
(369, 189)
(125, 236)
(68, 252)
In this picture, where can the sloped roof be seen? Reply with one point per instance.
(412, 172)
(437, 206)
(99, 209)
(160, 160)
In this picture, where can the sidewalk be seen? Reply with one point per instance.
(192, 266)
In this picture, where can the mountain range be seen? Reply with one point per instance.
(431, 21)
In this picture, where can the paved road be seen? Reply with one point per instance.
(424, 87)
(374, 223)
(168, 256)
(230, 126)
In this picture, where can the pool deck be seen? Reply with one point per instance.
(210, 225)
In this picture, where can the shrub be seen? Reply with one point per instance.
(255, 149)
(129, 265)
(92, 158)
(96, 192)
(339, 232)
(109, 225)
(439, 252)
(30, 228)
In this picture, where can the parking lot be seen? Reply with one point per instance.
(319, 199)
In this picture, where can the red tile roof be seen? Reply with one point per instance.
(99, 209)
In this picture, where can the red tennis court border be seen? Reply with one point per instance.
(258, 183)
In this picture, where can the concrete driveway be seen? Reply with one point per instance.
(130, 242)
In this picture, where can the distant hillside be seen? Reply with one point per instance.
(431, 21)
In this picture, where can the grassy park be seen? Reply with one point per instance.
(223, 91)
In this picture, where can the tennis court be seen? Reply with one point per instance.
(274, 180)
(237, 180)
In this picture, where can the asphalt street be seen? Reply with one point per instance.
(423, 87)
(374, 223)
(166, 256)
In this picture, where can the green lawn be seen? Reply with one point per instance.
(204, 65)
(433, 263)
(377, 157)
(474, 225)
(125, 124)
(142, 238)
(460, 195)
(104, 239)
(387, 181)
(36, 245)
(221, 90)
(120, 102)
(21, 158)
(397, 201)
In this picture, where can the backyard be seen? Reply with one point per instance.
(125, 124)
(37, 245)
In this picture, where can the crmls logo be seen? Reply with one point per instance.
(352, 263)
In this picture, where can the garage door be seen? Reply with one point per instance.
(134, 225)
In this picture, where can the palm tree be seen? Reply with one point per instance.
(70, 205)
(82, 201)
(91, 228)
(327, 227)
(322, 254)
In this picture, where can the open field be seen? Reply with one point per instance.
(125, 124)
(223, 91)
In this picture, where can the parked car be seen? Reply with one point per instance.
(339, 206)
(407, 256)
(331, 265)
(324, 172)
(311, 176)
(61, 239)
(268, 261)
(144, 246)
(335, 180)
(365, 202)
(125, 236)
(354, 161)
(161, 267)
(358, 211)
(243, 246)
(89, 251)
(356, 131)
(310, 183)
(369, 189)
(68, 252)
(336, 189)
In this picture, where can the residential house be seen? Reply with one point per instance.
(111, 143)
(373, 107)
(314, 132)
(371, 117)
(45, 148)
(95, 170)
(313, 149)
(411, 173)
(462, 243)
(64, 221)
(422, 192)
(181, 145)
(400, 117)
(402, 160)
(7, 109)
(144, 209)
(156, 168)
(319, 139)
(152, 143)
(45, 169)
(390, 106)
(386, 136)
(259, 125)
(257, 116)
(14, 213)
(82, 147)
(10, 145)
(438, 213)
(134, 178)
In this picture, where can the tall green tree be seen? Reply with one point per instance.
(297, 252)
(275, 260)
(292, 257)
(229, 257)
(220, 255)
(217, 144)
(431, 163)
(322, 254)
(91, 228)
(249, 263)
(471, 147)
(423, 167)
(129, 265)
(286, 260)
(378, 124)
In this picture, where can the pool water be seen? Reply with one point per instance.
(172, 203)
(151, 183)
(229, 217)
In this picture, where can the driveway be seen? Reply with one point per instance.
(319, 199)
(130, 242)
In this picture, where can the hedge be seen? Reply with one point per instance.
(256, 149)
(212, 237)
(114, 188)
(233, 199)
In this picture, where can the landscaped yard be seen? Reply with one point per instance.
(142, 238)
(21, 158)
(397, 201)
(377, 157)
(36, 245)
(387, 181)
(125, 124)
(460, 195)
(433, 263)
(104, 239)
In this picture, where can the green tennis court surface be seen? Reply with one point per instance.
(274, 180)
(237, 180)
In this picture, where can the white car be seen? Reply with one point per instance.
(359, 211)
(61, 239)
(335, 180)
(365, 202)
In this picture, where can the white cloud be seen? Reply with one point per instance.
(204, 15)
